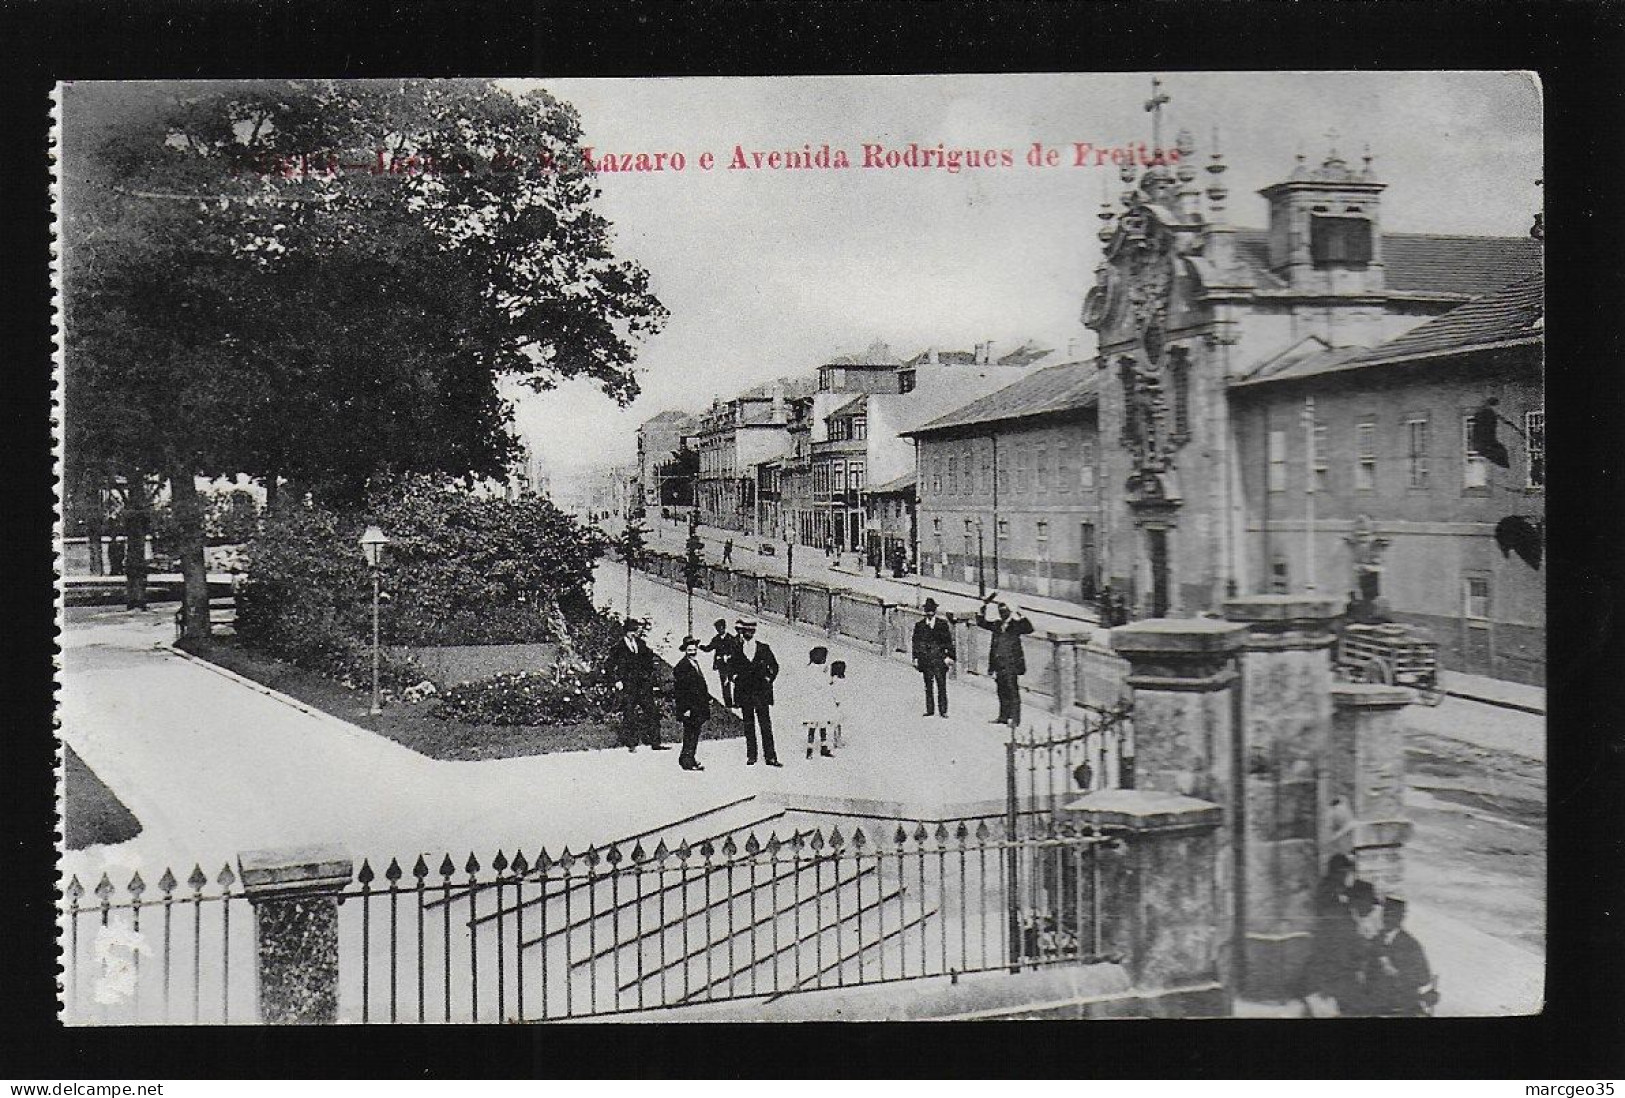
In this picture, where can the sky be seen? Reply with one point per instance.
(769, 273)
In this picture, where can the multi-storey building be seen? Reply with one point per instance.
(734, 437)
(1360, 475)
(1191, 311)
(658, 439)
(1009, 488)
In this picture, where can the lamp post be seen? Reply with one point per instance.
(789, 552)
(372, 544)
(981, 562)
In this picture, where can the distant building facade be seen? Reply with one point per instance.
(1210, 339)
(658, 438)
(1009, 487)
(733, 438)
(1359, 475)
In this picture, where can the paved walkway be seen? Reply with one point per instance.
(812, 565)
(213, 765)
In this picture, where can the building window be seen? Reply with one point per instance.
(1086, 466)
(1043, 538)
(1277, 461)
(1023, 471)
(1179, 373)
(984, 477)
(936, 475)
(1475, 470)
(837, 379)
(1475, 598)
(1365, 459)
(860, 427)
(854, 476)
(1416, 433)
(1534, 432)
(1318, 460)
(1004, 529)
(1043, 468)
(1279, 578)
(1340, 241)
(953, 475)
(970, 539)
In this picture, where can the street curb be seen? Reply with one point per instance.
(1498, 702)
(348, 728)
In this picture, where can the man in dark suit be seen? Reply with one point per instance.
(1006, 661)
(691, 702)
(722, 647)
(754, 669)
(933, 654)
(630, 665)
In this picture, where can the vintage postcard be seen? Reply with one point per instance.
(803, 548)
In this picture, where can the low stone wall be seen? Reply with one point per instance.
(452, 664)
(1064, 670)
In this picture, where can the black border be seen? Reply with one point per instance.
(1576, 48)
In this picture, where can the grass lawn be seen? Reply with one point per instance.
(92, 814)
(413, 727)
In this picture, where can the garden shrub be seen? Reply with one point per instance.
(459, 569)
(566, 693)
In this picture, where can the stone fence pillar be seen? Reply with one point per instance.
(1286, 678)
(296, 930)
(1182, 672)
(1159, 895)
(1366, 782)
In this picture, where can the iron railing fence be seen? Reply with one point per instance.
(130, 957)
(613, 930)
(1048, 765)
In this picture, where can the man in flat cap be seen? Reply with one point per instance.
(934, 653)
(722, 647)
(1397, 982)
(754, 669)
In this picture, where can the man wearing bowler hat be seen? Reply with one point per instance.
(691, 701)
(933, 655)
(1006, 661)
(754, 669)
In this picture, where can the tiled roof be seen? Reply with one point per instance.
(876, 354)
(789, 387)
(1511, 316)
(1054, 389)
(902, 484)
(1427, 262)
(1025, 355)
(949, 358)
(856, 404)
(668, 416)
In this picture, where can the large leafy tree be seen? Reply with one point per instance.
(321, 284)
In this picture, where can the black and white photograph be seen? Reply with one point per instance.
(801, 548)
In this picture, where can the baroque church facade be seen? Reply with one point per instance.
(1219, 473)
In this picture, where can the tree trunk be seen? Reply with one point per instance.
(95, 525)
(188, 511)
(273, 492)
(135, 541)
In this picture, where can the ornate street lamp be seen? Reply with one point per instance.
(372, 544)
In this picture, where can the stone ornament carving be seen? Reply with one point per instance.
(1365, 545)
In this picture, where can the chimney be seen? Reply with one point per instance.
(987, 353)
(931, 357)
(980, 357)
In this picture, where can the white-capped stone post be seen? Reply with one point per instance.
(295, 894)
(1285, 692)
(1366, 782)
(1159, 896)
(1182, 672)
